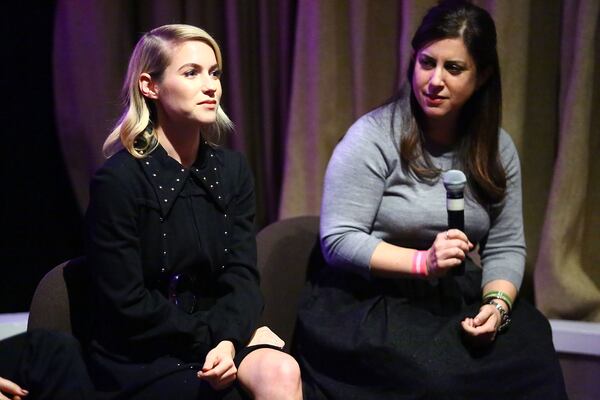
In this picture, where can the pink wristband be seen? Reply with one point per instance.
(419, 263)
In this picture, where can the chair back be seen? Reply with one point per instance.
(61, 300)
(287, 251)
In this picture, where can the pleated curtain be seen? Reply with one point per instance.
(298, 73)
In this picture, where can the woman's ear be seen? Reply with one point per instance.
(148, 86)
(484, 76)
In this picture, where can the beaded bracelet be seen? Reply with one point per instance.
(497, 294)
(504, 315)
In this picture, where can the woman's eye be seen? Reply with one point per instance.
(454, 69)
(426, 63)
(216, 73)
(190, 73)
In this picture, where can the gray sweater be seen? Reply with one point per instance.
(368, 197)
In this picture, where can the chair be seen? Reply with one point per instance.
(61, 300)
(288, 250)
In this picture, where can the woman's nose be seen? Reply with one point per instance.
(209, 85)
(437, 78)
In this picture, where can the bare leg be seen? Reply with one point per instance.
(268, 374)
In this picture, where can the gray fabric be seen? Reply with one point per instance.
(368, 197)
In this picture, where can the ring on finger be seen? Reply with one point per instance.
(446, 235)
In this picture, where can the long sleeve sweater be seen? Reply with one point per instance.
(369, 196)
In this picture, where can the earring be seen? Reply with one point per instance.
(145, 142)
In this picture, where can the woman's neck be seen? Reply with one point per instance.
(442, 132)
(180, 141)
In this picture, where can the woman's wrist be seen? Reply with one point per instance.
(228, 346)
(502, 313)
(419, 263)
(501, 296)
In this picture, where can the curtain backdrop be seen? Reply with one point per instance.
(92, 43)
(298, 73)
(567, 278)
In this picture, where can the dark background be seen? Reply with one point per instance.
(41, 221)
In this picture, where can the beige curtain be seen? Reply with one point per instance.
(349, 57)
(567, 274)
(298, 73)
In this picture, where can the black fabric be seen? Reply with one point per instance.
(165, 377)
(401, 339)
(239, 357)
(150, 220)
(47, 364)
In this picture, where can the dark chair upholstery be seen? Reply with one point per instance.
(288, 250)
(61, 300)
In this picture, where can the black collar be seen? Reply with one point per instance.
(168, 176)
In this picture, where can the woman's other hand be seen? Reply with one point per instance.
(10, 388)
(219, 369)
(447, 251)
(482, 329)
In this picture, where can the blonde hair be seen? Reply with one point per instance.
(152, 55)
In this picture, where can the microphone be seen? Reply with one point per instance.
(454, 182)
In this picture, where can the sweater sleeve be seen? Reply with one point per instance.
(354, 185)
(148, 324)
(503, 251)
(236, 313)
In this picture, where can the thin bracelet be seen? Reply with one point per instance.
(497, 294)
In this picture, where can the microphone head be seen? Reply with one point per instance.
(454, 180)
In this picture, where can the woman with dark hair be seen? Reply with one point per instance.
(388, 317)
(170, 240)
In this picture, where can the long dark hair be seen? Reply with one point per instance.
(479, 121)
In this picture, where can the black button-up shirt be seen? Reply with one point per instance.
(151, 220)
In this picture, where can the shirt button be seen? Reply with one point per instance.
(166, 200)
(153, 174)
(226, 250)
(164, 235)
(226, 232)
(177, 179)
(225, 215)
(163, 269)
(160, 187)
(182, 170)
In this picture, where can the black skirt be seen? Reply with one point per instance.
(401, 339)
(163, 378)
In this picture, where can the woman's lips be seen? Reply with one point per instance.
(209, 103)
(433, 100)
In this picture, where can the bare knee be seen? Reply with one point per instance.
(271, 374)
(282, 369)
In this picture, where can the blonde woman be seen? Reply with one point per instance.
(170, 239)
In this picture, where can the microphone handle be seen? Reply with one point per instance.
(456, 220)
